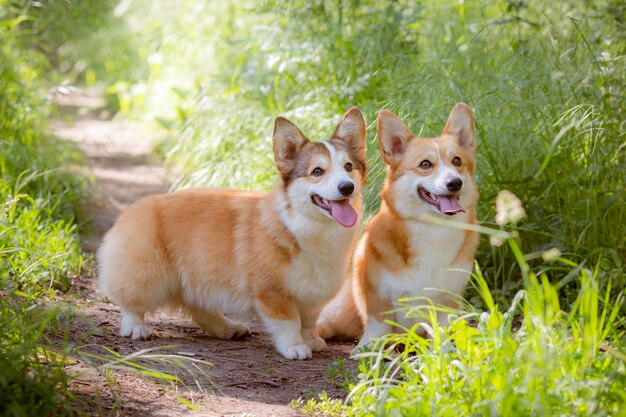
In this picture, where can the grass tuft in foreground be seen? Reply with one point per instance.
(33, 381)
(174, 371)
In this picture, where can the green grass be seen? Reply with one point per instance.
(340, 376)
(40, 190)
(33, 380)
(535, 358)
(39, 247)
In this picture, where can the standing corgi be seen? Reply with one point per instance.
(401, 254)
(280, 254)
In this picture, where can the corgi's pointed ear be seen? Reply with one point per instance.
(288, 140)
(393, 137)
(351, 129)
(461, 125)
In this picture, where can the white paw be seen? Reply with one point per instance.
(299, 352)
(135, 331)
(133, 326)
(316, 343)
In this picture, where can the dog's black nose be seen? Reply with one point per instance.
(345, 188)
(454, 185)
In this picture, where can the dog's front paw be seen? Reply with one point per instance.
(299, 352)
(316, 343)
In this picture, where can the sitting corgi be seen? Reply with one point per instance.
(280, 254)
(401, 254)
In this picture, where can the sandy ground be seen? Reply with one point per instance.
(247, 377)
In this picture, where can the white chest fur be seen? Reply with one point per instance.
(435, 249)
(316, 273)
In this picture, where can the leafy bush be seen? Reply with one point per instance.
(32, 377)
(39, 249)
(37, 235)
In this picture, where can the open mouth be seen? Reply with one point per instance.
(446, 204)
(340, 210)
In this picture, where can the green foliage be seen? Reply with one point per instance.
(340, 376)
(38, 238)
(81, 39)
(39, 249)
(31, 162)
(551, 365)
(38, 252)
(33, 381)
(322, 405)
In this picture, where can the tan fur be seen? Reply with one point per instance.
(399, 247)
(211, 252)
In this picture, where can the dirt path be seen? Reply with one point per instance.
(248, 377)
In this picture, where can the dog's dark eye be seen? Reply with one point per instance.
(456, 161)
(317, 172)
(348, 167)
(426, 164)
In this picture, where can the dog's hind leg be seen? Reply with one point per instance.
(219, 326)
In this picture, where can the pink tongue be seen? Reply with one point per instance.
(343, 212)
(449, 205)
